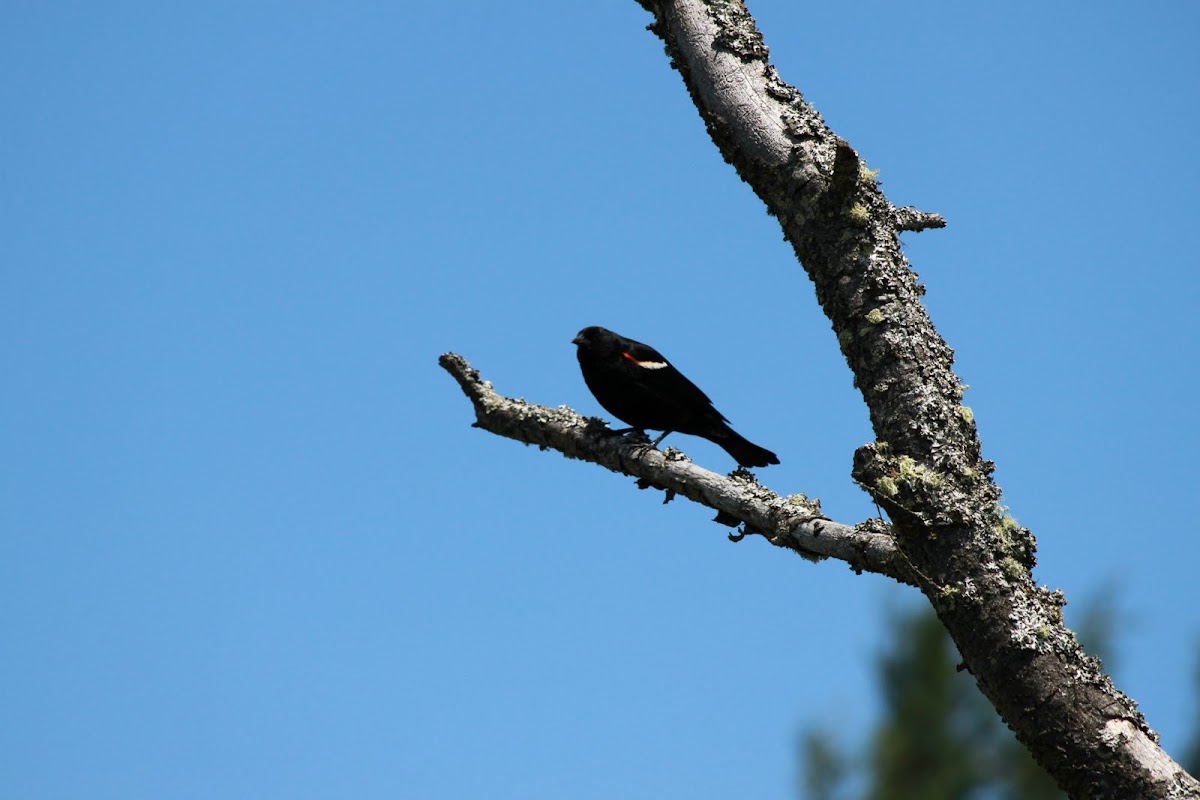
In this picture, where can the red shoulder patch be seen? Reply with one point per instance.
(645, 364)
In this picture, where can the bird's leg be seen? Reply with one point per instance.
(642, 432)
(648, 445)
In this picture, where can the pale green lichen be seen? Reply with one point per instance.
(887, 487)
(968, 416)
(875, 316)
(911, 470)
(812, 506)
(858, 214)
(1004, 530)
(1009, 524)
(1012, 568)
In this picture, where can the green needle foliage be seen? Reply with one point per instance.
(938, 738)
(930, 743)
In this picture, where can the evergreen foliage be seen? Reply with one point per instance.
(938, 738)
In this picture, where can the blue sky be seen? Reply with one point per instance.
(251, 546)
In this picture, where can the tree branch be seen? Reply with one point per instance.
(792, 522)
(926, 469)
(950, 535)
(911, 219)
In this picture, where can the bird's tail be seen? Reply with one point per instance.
(744, 451)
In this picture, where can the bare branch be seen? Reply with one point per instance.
(911, 219)
(950, 535)
(793, 522)
(926, 469)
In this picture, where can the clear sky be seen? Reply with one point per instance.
(251, 546)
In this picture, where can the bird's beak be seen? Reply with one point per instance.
(577, 340)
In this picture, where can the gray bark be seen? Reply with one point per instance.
(949, 535)
(792, 522)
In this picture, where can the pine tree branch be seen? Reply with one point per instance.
(793, 522)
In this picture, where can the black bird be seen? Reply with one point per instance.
(637, 385)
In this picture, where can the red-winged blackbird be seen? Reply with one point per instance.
(638, 386)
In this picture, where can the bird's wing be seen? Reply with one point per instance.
(662, 377)
(644, 356)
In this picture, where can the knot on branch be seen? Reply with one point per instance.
(845, 177)
(924, 498)
(905, 487)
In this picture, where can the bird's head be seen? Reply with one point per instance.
(593, 336)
